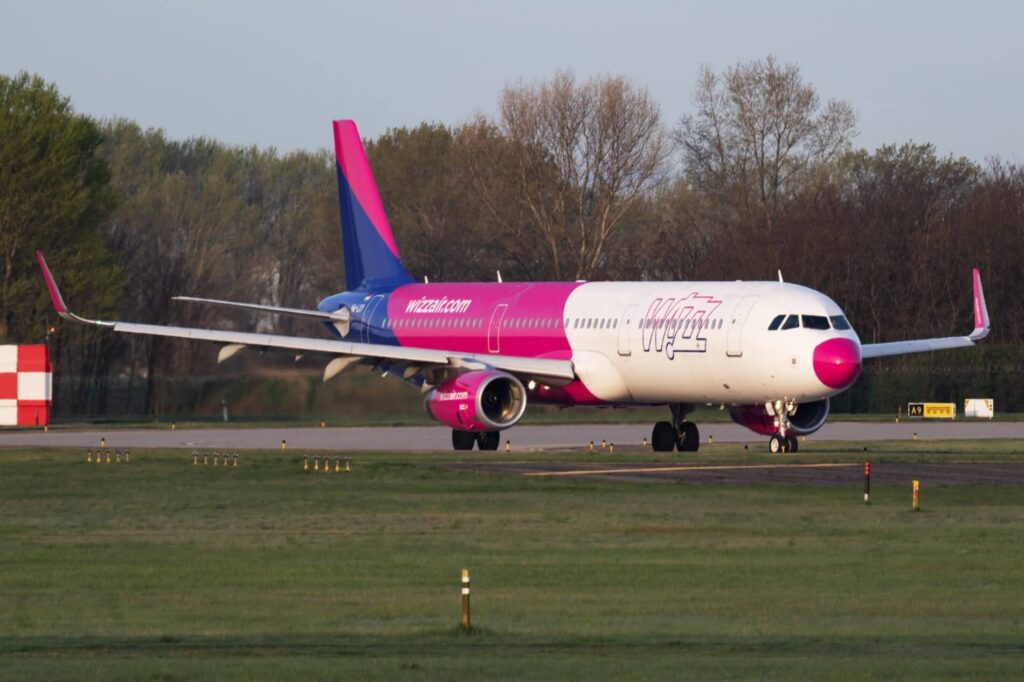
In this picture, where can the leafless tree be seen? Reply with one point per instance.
(759, 132)
(606, 139)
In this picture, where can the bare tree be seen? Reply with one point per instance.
(606, 139)
(758, 133)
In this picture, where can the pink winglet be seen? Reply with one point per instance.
(352, 160)
(980, 311)
(58, 300)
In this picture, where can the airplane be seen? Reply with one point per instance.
(773, 352)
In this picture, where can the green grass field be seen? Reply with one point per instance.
(161, 570)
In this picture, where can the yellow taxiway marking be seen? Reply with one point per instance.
(655, 470)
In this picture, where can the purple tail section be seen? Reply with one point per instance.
(371, 256)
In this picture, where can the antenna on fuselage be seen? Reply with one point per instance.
(426, 280)
(499, 276)
(780, 277)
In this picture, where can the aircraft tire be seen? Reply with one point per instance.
(463, 440)
(776, 445)
(488, 440)
(792, 444)
(689, 437)
(663, 438)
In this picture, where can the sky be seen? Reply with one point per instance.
(275, 74)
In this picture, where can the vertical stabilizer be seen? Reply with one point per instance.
(371, 257)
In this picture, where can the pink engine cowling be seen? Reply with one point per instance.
(809, 417)
(479, 401)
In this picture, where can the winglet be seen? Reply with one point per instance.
(58, 300)
(982, 325)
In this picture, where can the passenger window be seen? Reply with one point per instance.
(776, 322)
(815, 322)
(840, 322)
(792, 322)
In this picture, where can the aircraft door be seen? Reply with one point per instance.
(625, 325)
(734, 340)
(494, 328)
(367, 317)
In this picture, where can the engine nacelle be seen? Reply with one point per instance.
(485, 400)
(808, 418)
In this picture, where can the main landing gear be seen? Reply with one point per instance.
(465, 440)
(783, 441)
(678, 434)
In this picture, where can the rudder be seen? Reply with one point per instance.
(371, 256)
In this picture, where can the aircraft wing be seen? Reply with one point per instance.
(553, 372)
(982, 325)
(294, 312)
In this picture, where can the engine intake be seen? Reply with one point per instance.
(808, 418)
(486, 400)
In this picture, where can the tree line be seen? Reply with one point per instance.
(569, 179)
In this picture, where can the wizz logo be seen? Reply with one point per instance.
(678, 325)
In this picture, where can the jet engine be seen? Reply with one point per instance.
(808, 418)
(485, 400)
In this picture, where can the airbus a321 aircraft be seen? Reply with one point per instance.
(480, 352)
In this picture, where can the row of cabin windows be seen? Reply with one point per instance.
(545, 323)
(684, 325)
(837, 322)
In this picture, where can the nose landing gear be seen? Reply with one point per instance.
(782, 441)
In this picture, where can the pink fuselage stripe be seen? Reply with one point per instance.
(356, 169)
(532, 324)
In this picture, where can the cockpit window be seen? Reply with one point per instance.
(792, 322)
(776, 322)
(839, 322)
(815, 322)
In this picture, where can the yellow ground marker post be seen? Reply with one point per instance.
(284, 444)
(337, 465)
(644, 442)
(234, 461)
(117, 456)
(103, 442)
(108, 456)
(917, 496)
(604, 443)
(611, 448)
(316, 463)
(174, 426)
(348, 464)
(322, 424)
(195, 458)
(465, 599)
(591, 446)
(206, 458)
(88, 456)
(508, 446)
(127, 455)
(305, 462)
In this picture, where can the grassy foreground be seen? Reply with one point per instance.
(161, 570)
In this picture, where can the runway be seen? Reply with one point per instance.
(427, 438)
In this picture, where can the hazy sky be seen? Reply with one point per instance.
(276, 73)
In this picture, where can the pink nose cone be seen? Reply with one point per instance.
(837, 362)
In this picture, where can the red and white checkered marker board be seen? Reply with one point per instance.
(26, 380)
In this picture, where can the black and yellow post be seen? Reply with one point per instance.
(305, 462)
(88, 456)
(867, 481)
(465, 599)
(917, 496)
(316, 463)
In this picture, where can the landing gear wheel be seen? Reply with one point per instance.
(776, 445)
(463, 440)
(663, 439)
(488, 440)
(689, 437)
(792, 444)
